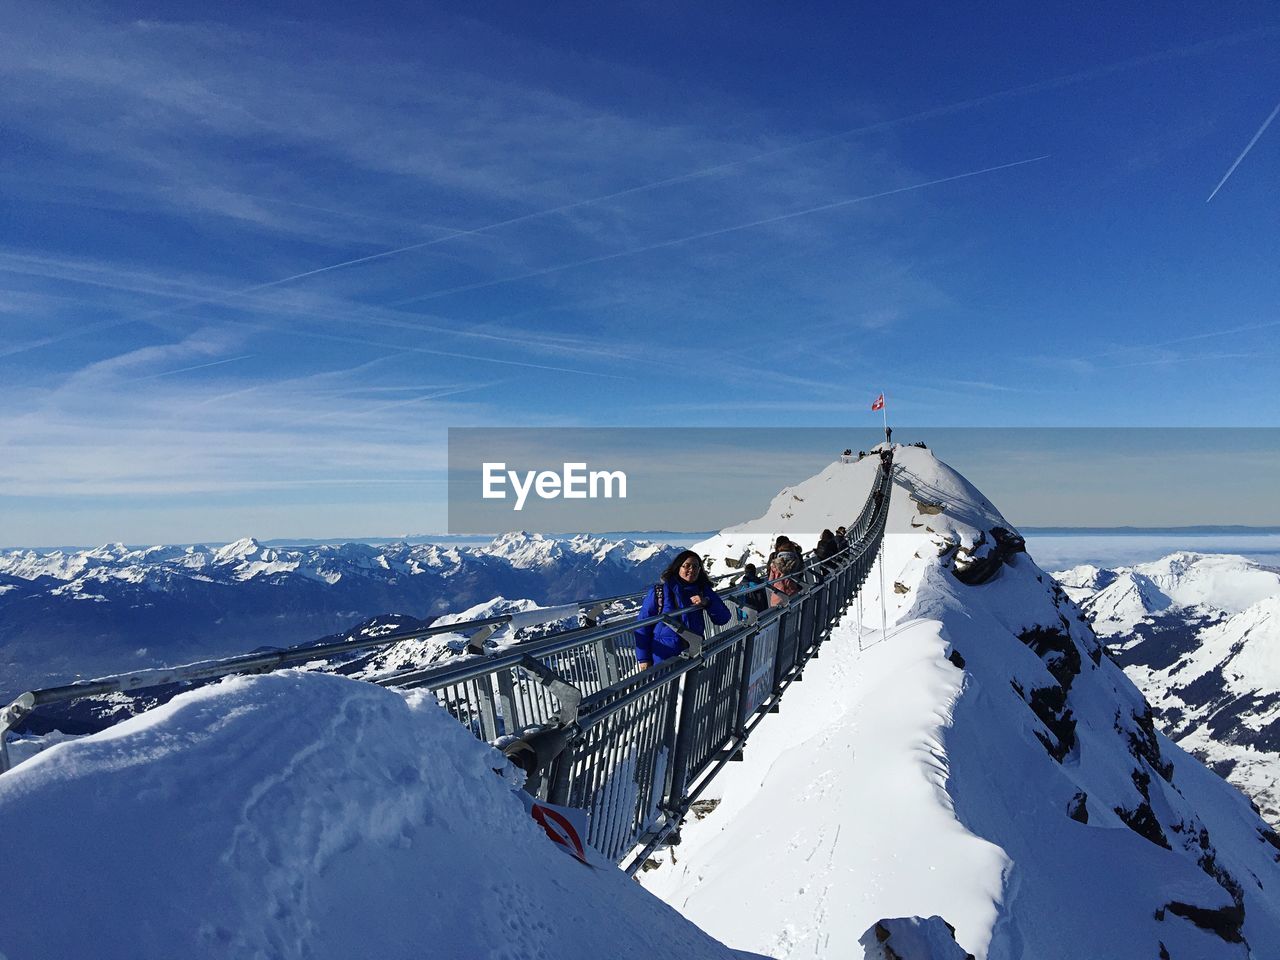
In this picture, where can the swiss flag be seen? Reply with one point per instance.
(879, 404)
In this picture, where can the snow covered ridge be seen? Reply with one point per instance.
(984, 762)
(1200, 635)
(305, 816)
(113, 609)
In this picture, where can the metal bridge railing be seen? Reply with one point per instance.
(633, 748)
(636, 751)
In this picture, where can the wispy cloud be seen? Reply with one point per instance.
(1171, 360)
(718, 232)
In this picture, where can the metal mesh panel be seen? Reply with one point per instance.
(709, 711)
(529, 701)
(618, 772)
(471, 703)
(788, 634)
(760, 669)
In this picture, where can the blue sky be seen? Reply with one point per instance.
(611, 214)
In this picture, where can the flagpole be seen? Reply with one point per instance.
(884, 411)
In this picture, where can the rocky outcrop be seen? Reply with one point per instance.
(912, 938)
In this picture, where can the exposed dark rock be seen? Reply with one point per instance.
(912, 938)
(1223, 768)
(1062, 659)
(1078, 809)
(702, 808)
(900, 587)
(1142, 819)
(976, 566)
(1144, 745)
(955, 658)
(1049, 705)
(1058, 651)
(1223, 921)
(1209, 864)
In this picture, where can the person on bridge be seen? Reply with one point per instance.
(754, 599)
(827, 549)
(684, 584)
(784, 565)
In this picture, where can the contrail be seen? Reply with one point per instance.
(1262, 129)
(928, 114)
(361, 341)
(1195, 358)
(715, 233)
(199, 366)
(1247, 328)
(448, 392)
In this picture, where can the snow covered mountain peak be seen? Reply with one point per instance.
(532, 550)
(1117, 600)
(243, 549)
(108, 551)
(931, 500)
(1200, 636)
(983, 761)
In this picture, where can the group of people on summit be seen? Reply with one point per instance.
(685, 584)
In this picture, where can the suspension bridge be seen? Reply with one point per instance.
(632, 748)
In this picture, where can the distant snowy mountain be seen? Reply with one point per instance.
(1200, 635)
(421, 652)
(87, 613)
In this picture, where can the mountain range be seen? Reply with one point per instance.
(1200, 636)
(68, 615)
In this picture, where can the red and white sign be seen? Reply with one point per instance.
(565, 826)
(879, 404)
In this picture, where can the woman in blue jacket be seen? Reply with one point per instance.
(684, 584)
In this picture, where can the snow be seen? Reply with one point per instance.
(1230, 583)
(898, 784)
(911, 775)
(531, 550)
(247, 559)
(1247, 645)
(839, 816)
(1180, 580)
(303, 815)
(1203, 648)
